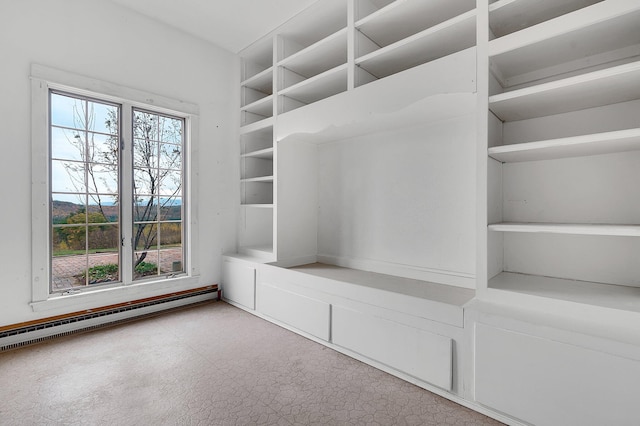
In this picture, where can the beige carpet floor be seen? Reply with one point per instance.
(211, 364)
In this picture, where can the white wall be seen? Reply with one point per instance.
(104, 41)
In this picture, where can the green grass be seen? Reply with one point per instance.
(57, 253)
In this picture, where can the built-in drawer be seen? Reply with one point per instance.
(419, 353)
(304, 313)
(239, 283)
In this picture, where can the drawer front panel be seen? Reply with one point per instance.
(304, 313)
(424, 355)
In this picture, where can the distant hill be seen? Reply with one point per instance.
(61, 210)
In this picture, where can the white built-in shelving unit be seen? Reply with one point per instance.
(564, 150)
(333, 48)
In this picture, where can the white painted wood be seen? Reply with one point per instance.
(238, 283)
(325, 54)
(436, 302)
(309, 315)
(321, 86)
(433, 43)
(380, 203)
(263, 253)
(580, 190)
(402, 19)
(262, 82)
(602, 27)
(431, 92)
(608, 118)
(594, 258)
(262, 107)
(296, 199)
(569, 228)
(247, 128)
(546, 382)
(595, 144)
(421, 354)
(266, 154)
(508, 16)
(584, 292)
(258, 191)
(258, 179)
(608, 86)
(256, 226)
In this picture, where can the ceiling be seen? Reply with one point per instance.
(230, 24)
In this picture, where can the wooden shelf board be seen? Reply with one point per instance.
(261, 251)
(402, 19)
(262, 106)
(441, 40)
(577, 146)
(321, 86)
(265, 179)
(590, 293)
(604, 87)
(603, 27)
(508, 16)
(262, 82)
(266, 153)
(256, 126)
(320, 56)
(258, 206)
(569, 228)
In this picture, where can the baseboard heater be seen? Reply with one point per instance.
(18, 335)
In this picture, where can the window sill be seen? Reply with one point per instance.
(113, 295)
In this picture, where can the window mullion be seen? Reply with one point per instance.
(126, 192)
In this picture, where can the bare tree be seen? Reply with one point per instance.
(156, 166)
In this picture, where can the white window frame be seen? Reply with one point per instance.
(43, 79)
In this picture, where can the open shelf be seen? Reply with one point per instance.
(257, 206)
(576, 146)
(509, 16)
(436, 42)
(266, 154)
(260, 251)
(569, 228)
(587, 37)
(598, 88)
(258, 179)
(319, 87)
(322, 56)
(262, 82)
(262, 107)
(405, 18)
(591, 293)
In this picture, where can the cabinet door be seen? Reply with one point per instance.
(239, 283)
(546, 382)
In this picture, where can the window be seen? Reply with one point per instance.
(111, 184)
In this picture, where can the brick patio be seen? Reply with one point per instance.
(65, 269)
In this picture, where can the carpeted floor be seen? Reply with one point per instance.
(212, 364)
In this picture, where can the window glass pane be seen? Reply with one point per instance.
(170, 234)
(171, 208)
(67, 176)
(170, 130)
(103, 118)
(67, 111)
(145, 264)
(103, 149)
(171, 261)
(103, 179)
(84, 192)
(170, 157)
(145, 154)
(145, 209)
(145, 236)
(67, 144)
(170, 183)
(145, 181)
(145, 126)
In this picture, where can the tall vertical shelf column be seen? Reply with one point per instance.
(564, 151)
(257, 152)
